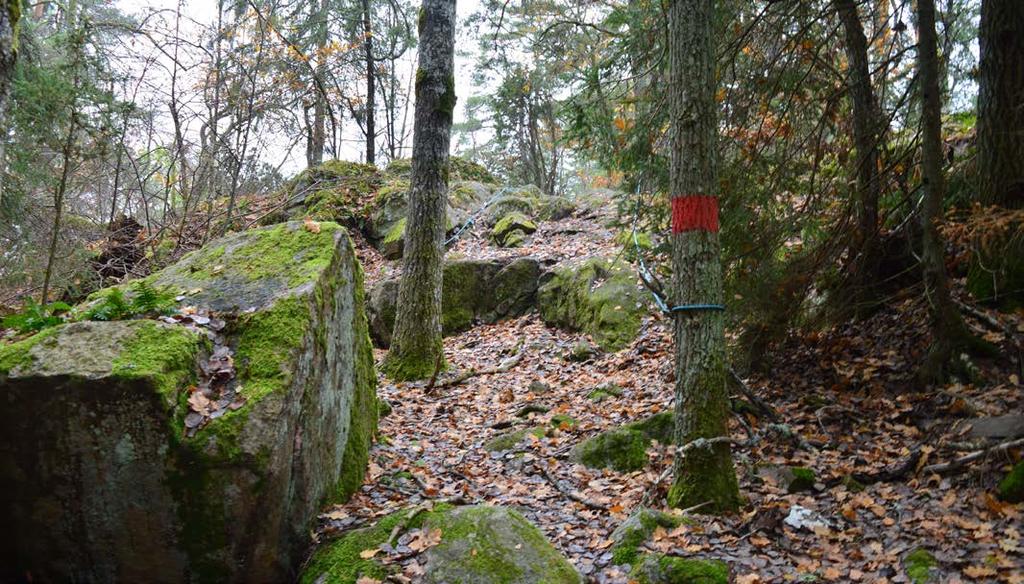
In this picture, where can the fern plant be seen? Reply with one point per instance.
(36, 317)
(146, 300)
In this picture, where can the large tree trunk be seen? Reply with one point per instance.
(371, 90)
(866, 138)
(416, 349)
(10, 11)
(703, 474)
(1001, 104)
(948, 329)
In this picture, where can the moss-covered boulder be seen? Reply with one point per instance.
(512, 229)
(107, 475)
(595, 296)
(386, 214)
(472, 291)
(529, 201)
(629, 537)
(662, 569)
(334, 191)
(509, 440)
(624, 448)
(479, 544)
(1011, 488)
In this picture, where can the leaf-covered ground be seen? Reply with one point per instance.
(845, 406)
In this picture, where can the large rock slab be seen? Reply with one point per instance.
(477, 545)
(472, 291)
(595, 296)
(104, 482)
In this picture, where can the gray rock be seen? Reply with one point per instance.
(492, 544)
(473, 291)
(597, 297)
(1006, 427)
(103, 482)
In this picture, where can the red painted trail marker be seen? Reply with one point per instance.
(694, 213)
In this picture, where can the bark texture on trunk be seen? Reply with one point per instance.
(317, 132)
(948, 329)
(10, 13)
(371, 88)
(416, 349)
(866, 138)
(1001, 104)
(703, 475)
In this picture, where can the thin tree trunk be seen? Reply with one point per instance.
(703, 475)
(371, 90)
(1001, 104)
(10, 12)
(318, 138)
(866, 138)
(58, 203)
(948, 329)
(416, 348)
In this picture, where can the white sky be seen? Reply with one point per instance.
(352, 147)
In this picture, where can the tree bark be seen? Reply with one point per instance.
(948, 328)
(866, 138)
(317, 138)
(10, 13)
(702, 475)
(371, 90)
(416, 348)
(1001, 104)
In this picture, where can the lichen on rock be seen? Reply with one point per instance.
(625, 448)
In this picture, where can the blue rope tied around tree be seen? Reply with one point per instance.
(647, 276)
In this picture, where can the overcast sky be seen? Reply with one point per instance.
(352, 148)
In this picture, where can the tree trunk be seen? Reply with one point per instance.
(10, 12)
(866, 137)
(371, 90)
(416, 349)
(58, 202)
(703, 475)
(317, 139)
(1001, 104)
(948, 329)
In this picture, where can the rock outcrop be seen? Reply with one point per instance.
(477, 544)
(112, 473)
(473, 291)
(595, 296)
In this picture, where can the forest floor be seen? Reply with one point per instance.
(845, 405)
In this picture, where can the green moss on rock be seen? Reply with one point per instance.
(629, 537)
(478, 544)
(802, 479)
(662, 569)
(597, 297)
(621, 449)
(1011, 488)
(919, 565)
(493, 545)
(509, 440)
(511, 229)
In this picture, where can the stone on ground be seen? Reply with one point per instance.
(512, 229)
(333, 191)
(662, 569)
(624, 448)
(473, 291)
(103, 482)
(597, 297)
(478, 545)
(629, 538)
(1011, 488)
